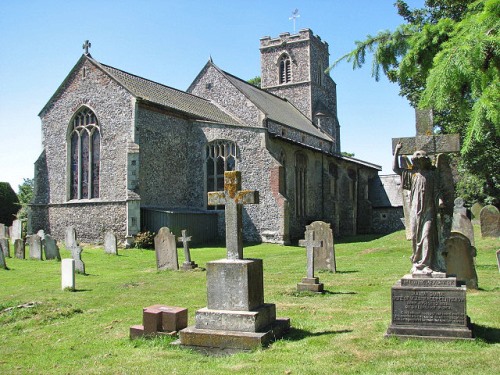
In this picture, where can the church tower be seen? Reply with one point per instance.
(293, 67)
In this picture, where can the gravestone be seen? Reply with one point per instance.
(3, 231)
(490, 221)
(4, 247)
(16, 231)
(41, 234)
(236, 316)
(70, 238)
(476, 210)
(188, 263)
(166, 250)
(19, 249)
(310, 283)
(459, 206)
(462, 224)
(35, 245)
(110, 246)
(324, 254)
(68, 274)
(459, 258)
(76, 253)
(50, 247)
(498, 260)
(3, 264)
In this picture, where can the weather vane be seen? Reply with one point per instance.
(295, 15)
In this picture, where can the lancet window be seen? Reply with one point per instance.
(220, 156)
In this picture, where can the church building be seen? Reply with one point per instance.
(123, 153)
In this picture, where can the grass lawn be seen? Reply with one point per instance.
(338, 332)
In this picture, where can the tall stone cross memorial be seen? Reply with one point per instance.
(236, 316)
(188, 263)
(310, 283)
(233, 198)
(427, 141)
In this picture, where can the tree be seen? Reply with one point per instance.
(9, 204)
(25, 195)
(447, 57)
(255, 81)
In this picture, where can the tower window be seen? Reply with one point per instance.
(285, 73)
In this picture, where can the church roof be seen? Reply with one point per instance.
(386, 191)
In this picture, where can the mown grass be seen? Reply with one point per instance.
(339, 332)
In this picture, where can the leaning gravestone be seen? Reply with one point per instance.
(76, 253)
(236, 316)
(490, 221)
(310, 283)
(4, 247)
(35, 244)
(110, 246)
(3, 264)
(50, 247)
(70, 238)
(19, 249)
(166, 250)
(459, 259)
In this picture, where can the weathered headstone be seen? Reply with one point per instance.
(476, 210)
(35, 245)
(110, 246)
(188, 263)
(70, 238)
(76, 253)
(166, 250)
(310, 282)
(459, 206)
(236, 316)
(3, 264)
(19, 249)
(41, 234)
(50, 247)
(3, 231)
(498, 260)
(16, 231)
(461, 222)
(68, 274)
(459, 258)
(4, 247)
(490, 221)
(324, 254)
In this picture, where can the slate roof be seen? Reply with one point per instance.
(386, 191)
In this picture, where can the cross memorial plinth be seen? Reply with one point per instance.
(188, 264)
(236, 316)
(233, 198)
(310, 283)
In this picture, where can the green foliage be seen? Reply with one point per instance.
(9, 204)
(25, 195)
(256, 81)
(145, 240)
(348, 154)
(447, 57)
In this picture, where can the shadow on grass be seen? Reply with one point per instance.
(81, 290)
(329, 292)
(353, 271)
(489, 335)
(296, 334)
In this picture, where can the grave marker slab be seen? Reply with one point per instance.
(50, 247)
(68, 274)
(476, 210)
(3, 264)
(35, 245)
(310, 283)
(498, 260)
(3, 231)
(462, 224)
(70, 238)
(166, 250)
(76, 253)
(110, 243)
(460, 259)
(5, 247)
(490, 221)
(16, 231)
(324, 255)
(19, 249)
(188, 263)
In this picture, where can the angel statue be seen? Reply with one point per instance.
(430, 187)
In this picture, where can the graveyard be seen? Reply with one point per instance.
(341, 331)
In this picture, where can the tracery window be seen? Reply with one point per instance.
(285, 73)
(300, 184)
(85, 155)
(220, 156)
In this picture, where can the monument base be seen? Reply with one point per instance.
(428, 307)
(310, 285)
(188, 266)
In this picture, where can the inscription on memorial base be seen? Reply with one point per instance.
(429, 308)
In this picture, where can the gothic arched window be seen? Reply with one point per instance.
(285, 73)
(300, 184)
(220, 156)
(84, 155)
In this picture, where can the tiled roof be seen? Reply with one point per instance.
(276, 108)
(190, 105)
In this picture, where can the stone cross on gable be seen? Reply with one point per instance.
(233, 198)
(185, 242)
(310, 243)
(425, 139)
(86, 46)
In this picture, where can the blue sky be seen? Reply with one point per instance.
(169, 42)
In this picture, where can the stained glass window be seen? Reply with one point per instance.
(85, 143)
(220, 157)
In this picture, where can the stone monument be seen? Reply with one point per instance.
(5, 247)
(310, 283)
(68, 274)
(236, 316)
(110, 243)
(489, 218)
(188, 263)
(3, 264)
(35, 244)
(459, 258)
(70, 238)
(76, 253)
(19, 249)
(324, 254)
(166, 250)
(50, 247)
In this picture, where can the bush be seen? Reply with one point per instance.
(9, 204)
(145, 240)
